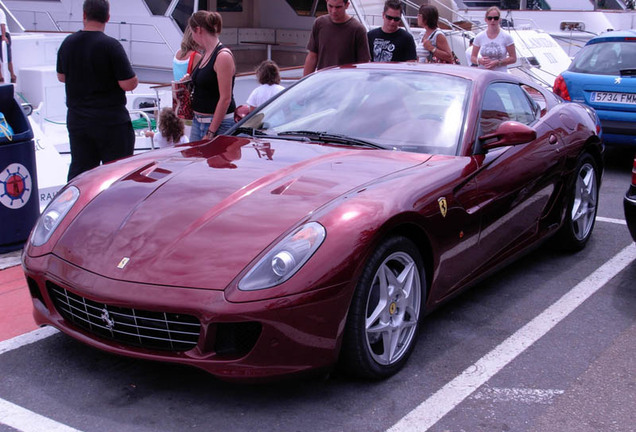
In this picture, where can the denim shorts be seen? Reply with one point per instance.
(201, 124)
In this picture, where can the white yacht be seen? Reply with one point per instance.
(570, 22)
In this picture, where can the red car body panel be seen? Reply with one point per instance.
(195, 218)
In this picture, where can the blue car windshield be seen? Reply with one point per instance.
(412, 111)
(605, 58)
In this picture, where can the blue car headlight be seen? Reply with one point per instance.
(285, 259)
(53, 215)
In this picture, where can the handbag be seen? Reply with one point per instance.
(454, 59)
(182, 99)
(434, 59)
(182, 94)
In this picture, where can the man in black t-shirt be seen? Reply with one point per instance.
(390, 43)
(96, 73)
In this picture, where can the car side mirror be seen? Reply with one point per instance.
(508, 134)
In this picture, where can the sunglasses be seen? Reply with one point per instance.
(392, 18)
(490, 18)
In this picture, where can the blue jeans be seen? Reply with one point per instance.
(199, 128)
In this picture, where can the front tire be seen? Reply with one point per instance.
(583, 206)
(383, 319)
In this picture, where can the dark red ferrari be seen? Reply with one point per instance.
(323, 228)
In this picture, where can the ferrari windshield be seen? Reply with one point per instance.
(402, 110)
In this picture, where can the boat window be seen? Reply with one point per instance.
(158, 7)
(179, 10)
(182, 13)
(304, 7)
(605, 58)
(572, 26)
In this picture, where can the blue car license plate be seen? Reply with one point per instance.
(611, 97)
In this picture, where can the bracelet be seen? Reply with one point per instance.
(209, 132)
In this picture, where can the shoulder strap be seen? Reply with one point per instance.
(194, 53)
(433, 36)
(216, 52)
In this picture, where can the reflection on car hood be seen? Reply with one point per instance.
(196, 216)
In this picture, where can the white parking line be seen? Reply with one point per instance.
(21, 418)
(452, 394)
(27, 421)
(26, 339)
(523, 395)
(611, 220)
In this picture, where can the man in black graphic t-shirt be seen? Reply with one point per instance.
(390, 43)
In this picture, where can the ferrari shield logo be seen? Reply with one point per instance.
(443, 206)
(123, 262)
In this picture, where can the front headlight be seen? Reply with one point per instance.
(285, 259)
(53, 215)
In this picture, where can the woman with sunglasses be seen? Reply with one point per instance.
(434, 47)
(493, 48)
(213, 78)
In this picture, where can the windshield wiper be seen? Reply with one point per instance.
(332, 138)
(250, 131)
(257, 133)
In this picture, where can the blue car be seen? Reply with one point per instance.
(603, 76)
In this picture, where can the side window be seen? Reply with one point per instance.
(537, 99)
(503, 102)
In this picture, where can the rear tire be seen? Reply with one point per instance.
(582, 207)
(383, 319)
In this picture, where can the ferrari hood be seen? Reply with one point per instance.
(196, 216)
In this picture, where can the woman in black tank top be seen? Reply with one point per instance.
(213, 79)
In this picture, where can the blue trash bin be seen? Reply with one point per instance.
(19, 201)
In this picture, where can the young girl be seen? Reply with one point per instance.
(171, 130)
(268, 76)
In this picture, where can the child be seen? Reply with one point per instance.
(268, 76)
(171, 129)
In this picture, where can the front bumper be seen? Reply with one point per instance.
(236, 341)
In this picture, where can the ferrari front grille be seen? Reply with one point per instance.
(146, 329)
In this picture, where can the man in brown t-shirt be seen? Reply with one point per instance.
(336, 39)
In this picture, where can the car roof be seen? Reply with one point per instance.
(627, 35)
(477, 75)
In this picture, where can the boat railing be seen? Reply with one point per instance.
(46, 24)
(458, 24)
(142, 112)
(135, 37)
(124, 28)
